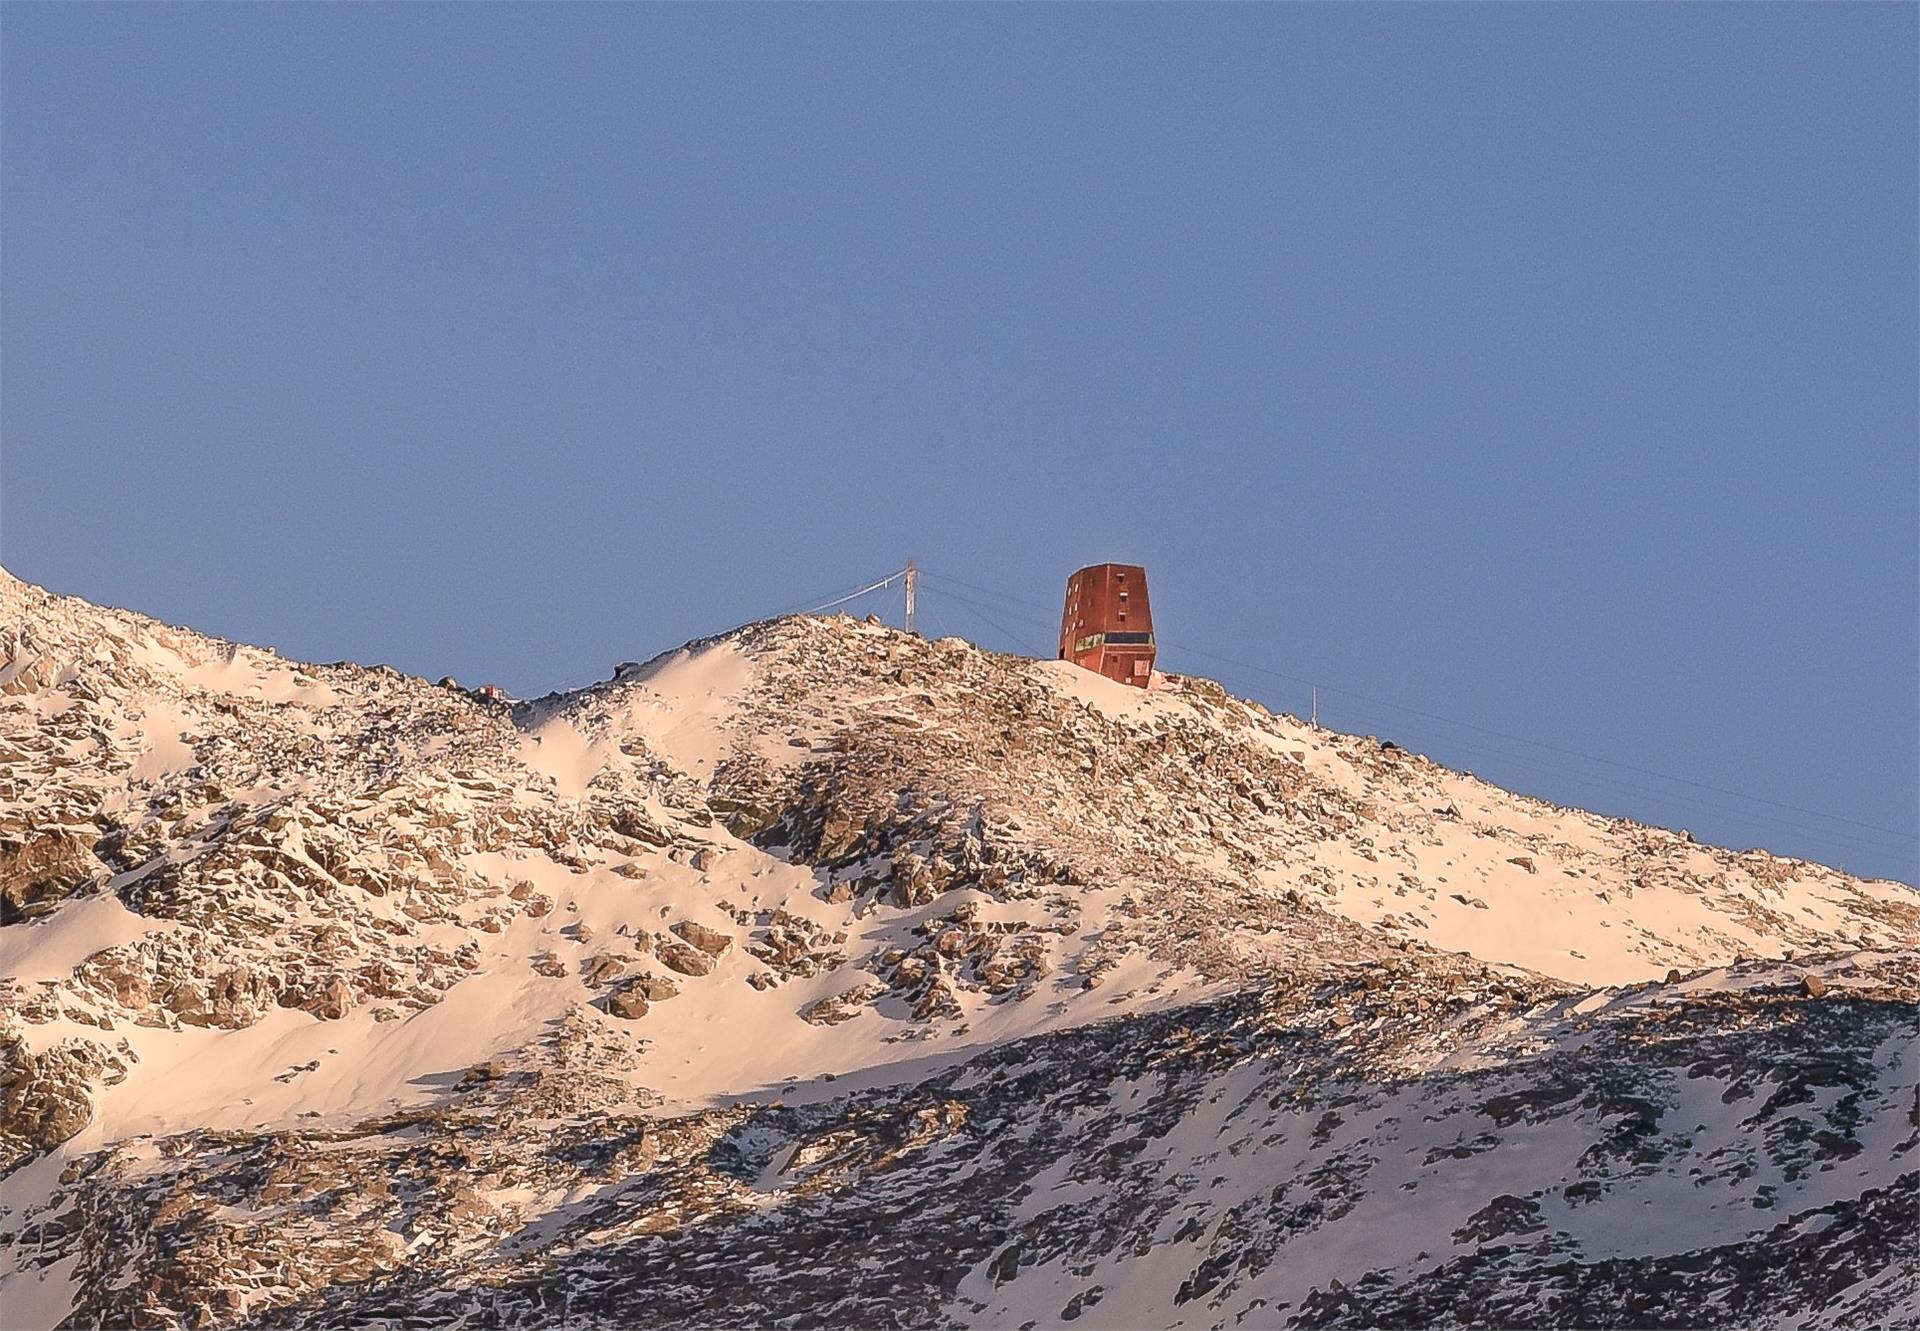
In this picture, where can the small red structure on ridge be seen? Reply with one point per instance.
(1107, 626)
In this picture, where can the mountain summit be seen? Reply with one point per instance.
(817, 974)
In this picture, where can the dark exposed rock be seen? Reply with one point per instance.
(235, 997)
(1502, 1216)
(684, 958)
(710, 941)
(1028, 1159)
(841, 1007)
(38, 868)
(627, 1001)
(44, 1097)
(334, 1000)
(599, 970)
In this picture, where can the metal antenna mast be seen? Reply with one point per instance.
(913, 583)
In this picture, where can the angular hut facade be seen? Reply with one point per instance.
(1107, 626)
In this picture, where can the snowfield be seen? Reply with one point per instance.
(818, 974)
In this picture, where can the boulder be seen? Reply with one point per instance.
(120, 974)
(913, 883)
(680, 957)
(335, 1000)
(710, 941)
(837, 1008)
(234, 998)
(744, 819)
(39, 868)
(841, 833)
(44, 1097)
(657, 988)
(627, 1002)
(633, 822)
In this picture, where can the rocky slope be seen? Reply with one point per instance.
(817, 974)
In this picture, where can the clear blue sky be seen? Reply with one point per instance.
(1549, 368)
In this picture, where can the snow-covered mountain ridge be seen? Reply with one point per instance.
(937, 983)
